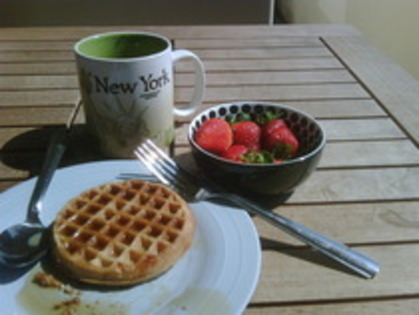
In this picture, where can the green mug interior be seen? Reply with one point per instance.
(121, 45)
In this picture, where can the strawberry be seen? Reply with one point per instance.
(271, 126)
(235, 153)
(214, 135)
(282, 143)
(246, 133)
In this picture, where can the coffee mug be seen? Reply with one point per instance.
(126, 84)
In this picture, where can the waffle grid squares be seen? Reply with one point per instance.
(104, 226)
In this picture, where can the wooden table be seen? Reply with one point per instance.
(364, 193)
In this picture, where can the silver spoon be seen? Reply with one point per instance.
(21, 244)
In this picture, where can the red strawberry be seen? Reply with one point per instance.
(214, 135)
(235, 152)
(282, 142)
(271, 126)
(246, 133)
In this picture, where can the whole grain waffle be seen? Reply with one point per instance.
(122, 233)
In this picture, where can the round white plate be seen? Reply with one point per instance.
(218, 275)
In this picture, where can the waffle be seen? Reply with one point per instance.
(122, 233)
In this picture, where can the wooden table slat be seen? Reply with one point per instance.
(369, 154)
(277, 93)
(305, 269)
(359, 185)
(397, 91)
(179, 32)
(352, 223)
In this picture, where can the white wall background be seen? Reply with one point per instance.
(391, 25)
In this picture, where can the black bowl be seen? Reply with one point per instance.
(267, 178)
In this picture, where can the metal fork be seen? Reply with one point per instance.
(193, 188)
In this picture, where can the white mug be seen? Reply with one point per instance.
(126, 83)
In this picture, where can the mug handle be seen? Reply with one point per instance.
(199, 88)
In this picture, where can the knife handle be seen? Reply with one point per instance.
(337, 251)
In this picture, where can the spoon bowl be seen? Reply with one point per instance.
(22, 244)
(27, 240)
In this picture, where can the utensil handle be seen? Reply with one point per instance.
(53, 157)
(339, 252)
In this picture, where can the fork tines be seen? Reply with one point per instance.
(161, 165)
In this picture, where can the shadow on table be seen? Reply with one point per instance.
(27, 150)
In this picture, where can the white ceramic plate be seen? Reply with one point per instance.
(218, 275)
